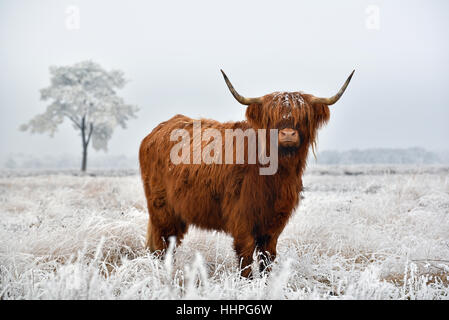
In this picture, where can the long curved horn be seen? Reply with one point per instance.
(239, 98)
(332, 100)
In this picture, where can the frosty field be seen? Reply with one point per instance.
(361, 232)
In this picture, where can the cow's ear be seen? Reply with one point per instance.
(321, 114)
(254, 115)
(320, 111)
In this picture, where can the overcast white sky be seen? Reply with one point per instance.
(171, 51)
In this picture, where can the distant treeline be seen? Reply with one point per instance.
(382, 156)
(356, 156)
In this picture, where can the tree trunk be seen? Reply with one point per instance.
(84, 161)
(85, 141)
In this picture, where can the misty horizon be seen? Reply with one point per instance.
(373, 156)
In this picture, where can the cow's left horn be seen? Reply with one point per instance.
(332, 100)
(239, 98)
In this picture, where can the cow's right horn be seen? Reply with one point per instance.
(239, 98)
(335, 98)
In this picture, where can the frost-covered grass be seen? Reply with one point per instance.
(359, 233)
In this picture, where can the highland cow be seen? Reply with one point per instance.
(235, 198)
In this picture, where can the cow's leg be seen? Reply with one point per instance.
(266, 248)
(150, 205)
(159, 232)
(244, 247)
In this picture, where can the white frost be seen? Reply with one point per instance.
(360, 233)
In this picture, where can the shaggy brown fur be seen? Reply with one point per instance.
(233, 198)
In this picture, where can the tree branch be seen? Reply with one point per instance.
(73, 120)
(91, 129)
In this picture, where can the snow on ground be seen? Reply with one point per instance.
(361, 232)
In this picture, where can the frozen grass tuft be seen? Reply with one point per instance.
(359, 233)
